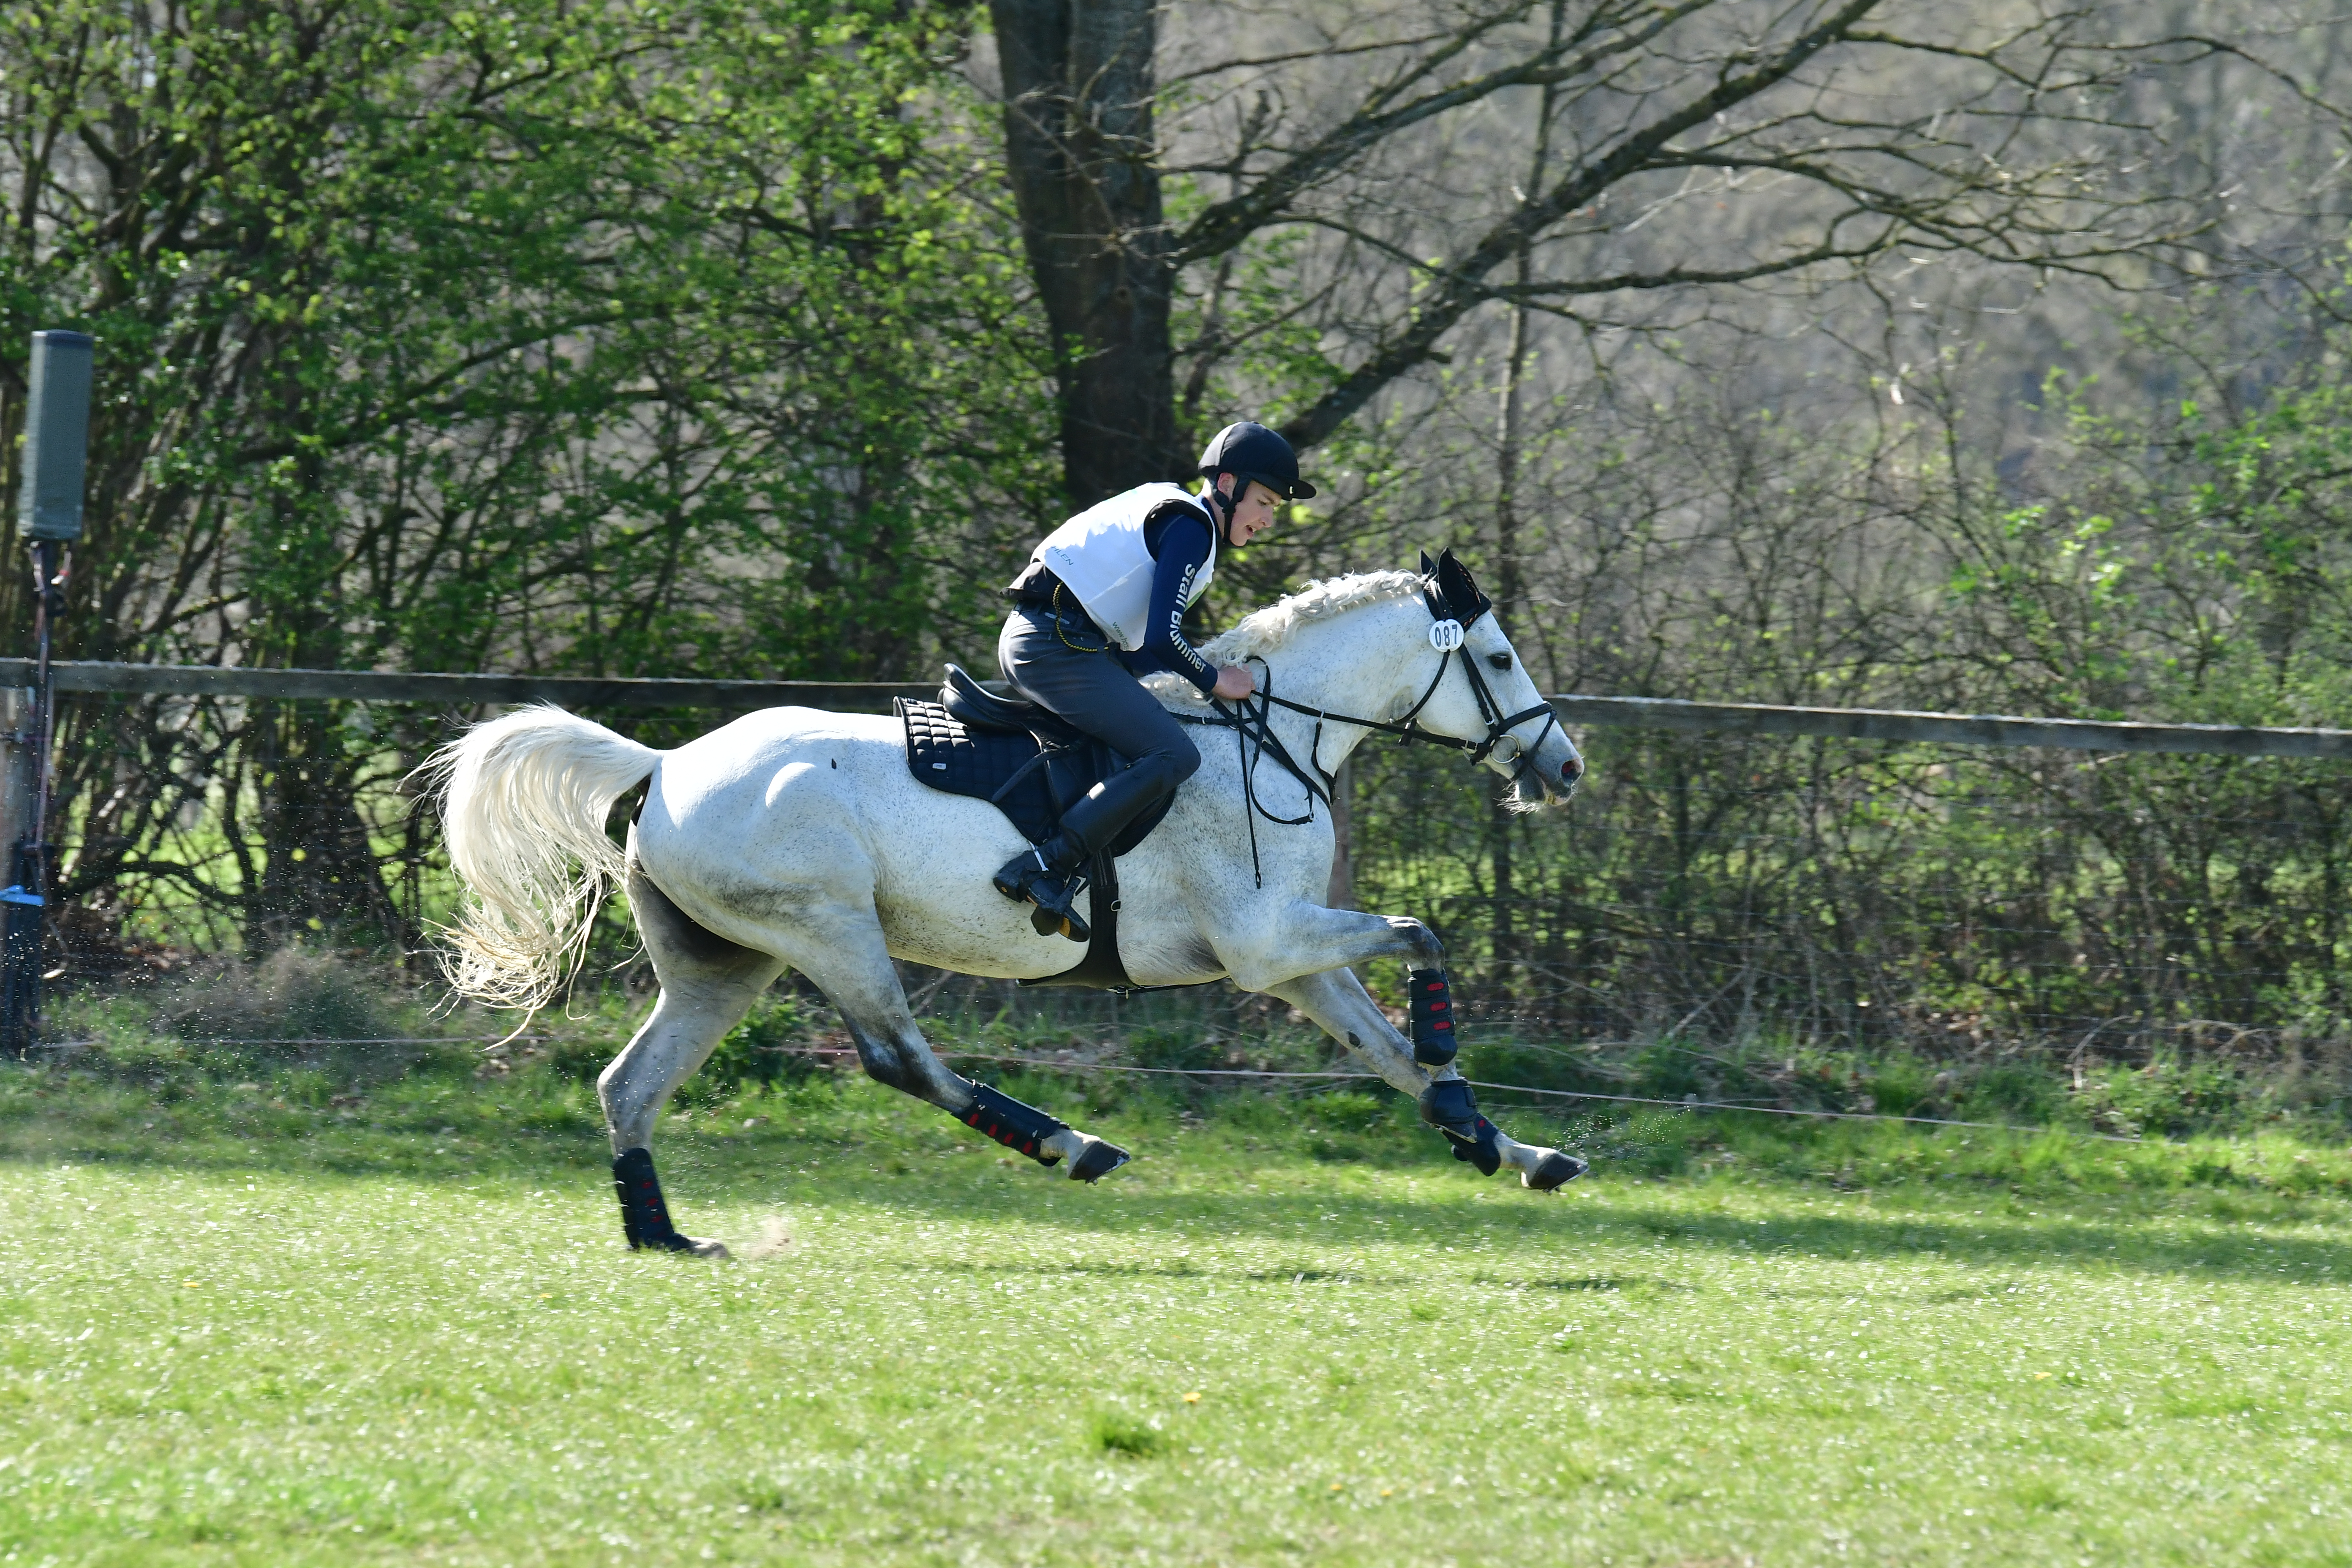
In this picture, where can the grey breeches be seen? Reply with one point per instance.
(1061, 663)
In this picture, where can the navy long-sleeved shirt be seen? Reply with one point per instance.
(1179, 539)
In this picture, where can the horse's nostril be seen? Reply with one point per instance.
(1571, 770)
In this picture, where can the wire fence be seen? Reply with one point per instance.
(1801, 892)
(1064, 1064)
(218, 822)
(1737, 897)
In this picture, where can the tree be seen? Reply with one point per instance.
(539, 336)
(1819, 137)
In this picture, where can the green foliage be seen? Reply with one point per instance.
(660, 339)
(2017, 1093)
(758, 1051)
(1905, 1086)
(1172, 1045)
(2168, 1097)
(310, 1024)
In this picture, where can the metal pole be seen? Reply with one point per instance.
(48, 599)
(19, 777)
(24, 903)
(56, 444)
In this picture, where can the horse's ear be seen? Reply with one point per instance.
(1428, 567)
(1460, 590)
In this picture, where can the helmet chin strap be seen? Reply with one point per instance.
(1214, 501)
(1221, 507)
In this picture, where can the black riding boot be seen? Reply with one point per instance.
(1053, 875)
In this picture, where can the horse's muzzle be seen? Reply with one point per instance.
(1571, 774)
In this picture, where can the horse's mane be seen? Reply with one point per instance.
(1267, 630)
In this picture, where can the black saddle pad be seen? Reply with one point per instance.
(981, 763)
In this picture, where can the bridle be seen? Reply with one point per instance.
(1452, 606)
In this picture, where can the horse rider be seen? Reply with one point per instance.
(1102, 601)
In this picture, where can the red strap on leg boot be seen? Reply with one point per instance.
(1430, 1005)
(1021, 1127)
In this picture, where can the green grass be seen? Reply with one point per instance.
(271, 1328)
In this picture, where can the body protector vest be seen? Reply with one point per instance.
(1099, 555)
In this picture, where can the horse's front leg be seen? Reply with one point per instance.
(1309, 939)
(1336, 1001)
(1303, 938)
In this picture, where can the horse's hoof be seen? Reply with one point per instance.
(1099, 1160)
(687, 1244)
(1554, 1171)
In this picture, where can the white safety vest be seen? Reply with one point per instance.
(1099, 557)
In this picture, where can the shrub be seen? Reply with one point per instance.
(309, 1017)
(292, 995)
(1177, 1046)
(1904, 1086)
(2165, 1096)
(2012, 1092)
(758, 1051)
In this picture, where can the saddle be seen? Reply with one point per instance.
(1031, 764)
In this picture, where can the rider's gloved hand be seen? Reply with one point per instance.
(1233, 683)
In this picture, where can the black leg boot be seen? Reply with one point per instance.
(1448, 1105)
(1430, 1005)
(1024, 1130)
(644, 1216)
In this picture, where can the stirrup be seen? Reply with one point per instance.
(1056, 911)
(1029, 879)
(1013, 878)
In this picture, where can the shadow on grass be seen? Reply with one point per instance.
(702, 1178)
(2120, 1244)
(897, 1164)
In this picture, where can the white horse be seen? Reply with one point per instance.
(797, 838)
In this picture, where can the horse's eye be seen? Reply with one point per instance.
(1499, 660)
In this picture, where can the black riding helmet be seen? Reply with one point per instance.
(1250, 451)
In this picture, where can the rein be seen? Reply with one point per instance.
(1250, 719)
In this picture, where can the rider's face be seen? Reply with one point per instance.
(1254, 516)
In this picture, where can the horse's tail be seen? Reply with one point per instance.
(523, 802)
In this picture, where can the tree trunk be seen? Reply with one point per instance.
(1078, 88)
(320, 873)
(1511, 581)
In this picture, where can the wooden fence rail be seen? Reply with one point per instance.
(463, 690)
(738, 696)
(1950, 729)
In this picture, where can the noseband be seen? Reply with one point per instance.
(1249, 719)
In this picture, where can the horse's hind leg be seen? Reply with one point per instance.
(857, 976)
(708, 984)
(1337, 999)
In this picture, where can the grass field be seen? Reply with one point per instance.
(244, 1329)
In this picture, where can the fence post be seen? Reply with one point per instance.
(49, 518)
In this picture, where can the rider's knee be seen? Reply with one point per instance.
(1183, 760)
